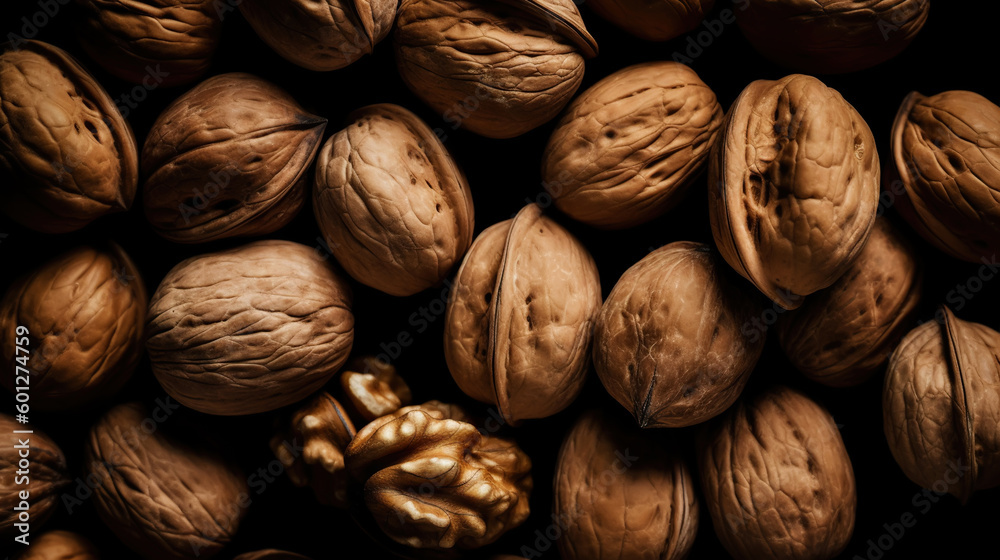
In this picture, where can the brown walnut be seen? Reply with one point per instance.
(230, 157)
(941, 405)
(66, 153)
(629, 147)
(85, 312)
(59, 545)
(394, 208)
(621, 496)
(271, 554)
(670, 342)
(497, 68)
(48, 476)
(518, 324)
(372, 388)
(656, 20)
(794, 186)
(249, 329)
(777, 479)
(947, 153)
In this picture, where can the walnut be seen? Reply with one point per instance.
(845, 333)
(320, 35)
(941, 404)
(794, 187)
(271, 554)
(173, 40)
(777, 479)
(59, 545)
(249, 329)
(66, 154)
(84, 312)
(394, 208)
(432, 481)
(47, 477)
(229, 158)
(372, 388)
(518, 324)
(629, 147)
(498, 69)
(947, 155)
(621, 495)
(831, 36)
(653, 21)
(669, 343)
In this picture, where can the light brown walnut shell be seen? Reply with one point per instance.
(59, 545)
(653, 20)
(47, 477)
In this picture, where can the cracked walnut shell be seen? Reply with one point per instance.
(47, 476)
(372, 388)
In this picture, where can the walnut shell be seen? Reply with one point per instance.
(941, 405)
(629, 147)
(947, 153)
(831, 36)
(372, 388)
(653, 20)
(432, 481)
(777, 479)
(164, 498)
(152, 42)
(66, 153)
(518, 324)
(669, 342)
(394, 208)
(794, 187)
(48, 476)
(59, 545)
(271, 554)
(229, 158)
(249, 329)
(498, 69)
(845, 333)
(85, 312)
(620, 496)
(324, 35)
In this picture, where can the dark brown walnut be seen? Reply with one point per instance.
(320, 35)
(84, 314)
(941, 405)
(229, 158)
(653, 20)
(271, 554)
(59, 545)
(777, 480)
(845, 333)
(394, 208)
(794, 187)
(249, 329)
(629, 147)
(432, 481)
(497, 68)
(152, 42)
(520, 317)
(621, 496)
(830, 36)
(47, 478)
(947, 153)
(66, 153)
(372, 388)
(673, 343)
(163, 497)
(312, 448)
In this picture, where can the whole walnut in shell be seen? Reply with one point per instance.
(621, 496)
(163, 497)
(59, 545)
(66, 153)
(659, 20)
(777, 479)
(229, 158)
(84, 312)
(394, 208)
(498, 69)
(518, 324)
(947, 153)
(629, 147)
(432, 481)
(845, 333)
(794, 187)
(152, 42)
(831, 36)
(941, 405)
(320, 35)
(47, 477)
(669, 342)
(249, 329)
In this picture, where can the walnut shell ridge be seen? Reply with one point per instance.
(48, 476)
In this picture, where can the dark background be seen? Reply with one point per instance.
(954, 51)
